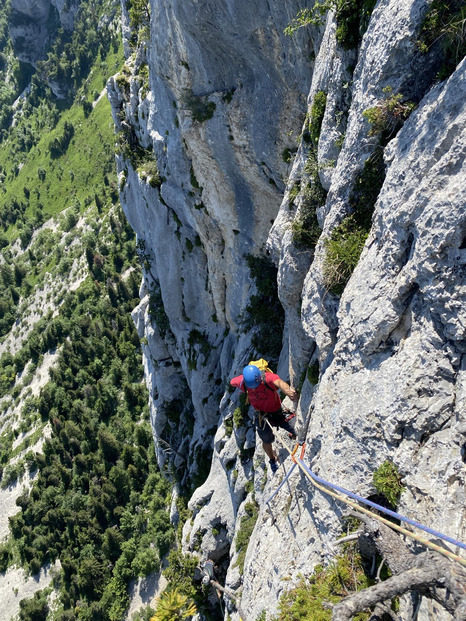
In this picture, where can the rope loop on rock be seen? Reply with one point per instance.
(319, 483)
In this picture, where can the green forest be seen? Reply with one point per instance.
(69, 279)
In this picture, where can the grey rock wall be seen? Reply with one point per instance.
(223, 180)
(390, 349)
(34, 22)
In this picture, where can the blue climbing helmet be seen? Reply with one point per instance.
(252, 376)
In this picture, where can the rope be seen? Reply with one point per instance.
(317, 481)
(282, 483)
(400, 529)
(393, 514)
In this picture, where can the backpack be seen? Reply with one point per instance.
(261, 364)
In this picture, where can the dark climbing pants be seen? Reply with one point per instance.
(264, 421)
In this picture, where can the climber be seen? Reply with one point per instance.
(262, 389)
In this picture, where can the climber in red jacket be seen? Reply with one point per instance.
(262, 390)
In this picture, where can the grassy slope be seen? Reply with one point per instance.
(80, 172)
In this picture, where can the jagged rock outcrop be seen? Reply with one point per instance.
(225, 89)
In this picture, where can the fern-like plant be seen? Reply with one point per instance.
(174, 606)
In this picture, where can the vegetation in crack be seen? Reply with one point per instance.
(352, 18)
(199, 106)
(246, 526)
(444, 27)
(343, 249)
(346, 573)
(387, 481)
(388, 115)
(142, 158)
(319, 104)
(264, 316)
(346, 242)
(305, 227)
(157, 310)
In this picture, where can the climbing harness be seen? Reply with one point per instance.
(323, 486)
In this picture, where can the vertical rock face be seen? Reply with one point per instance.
(226, 97)
(225, 91)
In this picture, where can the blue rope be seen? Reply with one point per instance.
(380, 508)
(282, 483)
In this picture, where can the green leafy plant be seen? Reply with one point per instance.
(346, 242)
(228, 425)
(306, 600)
(388, 115)
(305, 227)
(148, 170)
(157, 309)
(366, 189)
(387, 481)
(173, 606)
(319, 104)
(200, 107)
(312, 373)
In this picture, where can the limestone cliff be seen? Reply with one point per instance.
(34, 22)
(218, 95)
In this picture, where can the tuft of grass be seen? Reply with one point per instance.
(343, 249)
(246, 527)
(444, 25)
(388, 115)
(317, 116)
(326, 585)
(346, 242)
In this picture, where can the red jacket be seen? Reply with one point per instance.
(262, 398)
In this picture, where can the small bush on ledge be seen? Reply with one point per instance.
(387, 481)
(388, 115)
(326, 585)
(200, 107)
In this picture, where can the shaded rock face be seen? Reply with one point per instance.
(33, 23)
(226, 88)
(382, 363)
